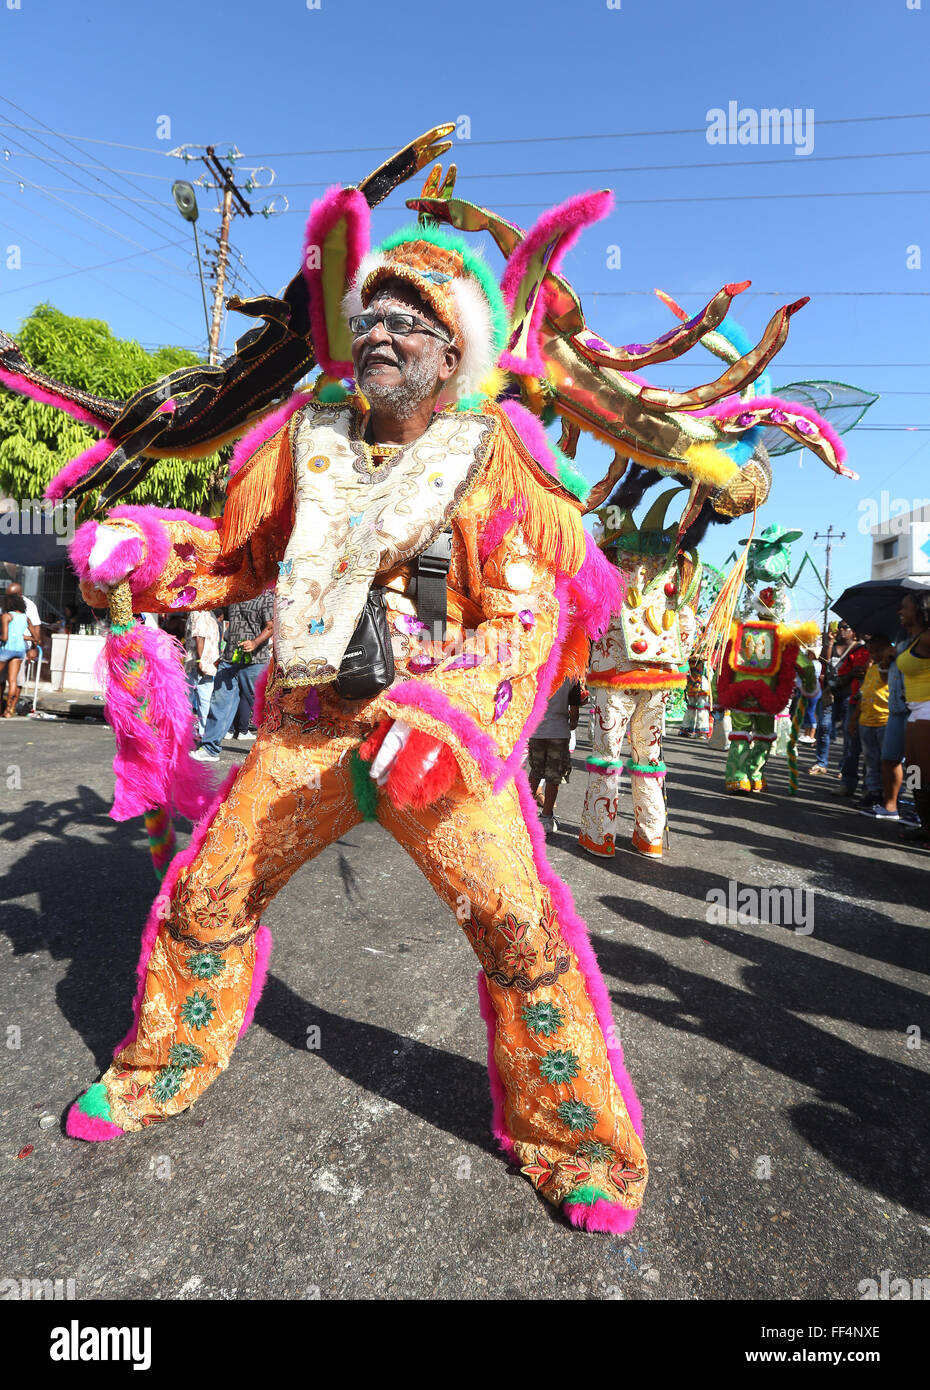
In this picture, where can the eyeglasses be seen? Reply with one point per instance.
(398, 325)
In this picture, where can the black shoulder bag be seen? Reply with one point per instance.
(368, 664)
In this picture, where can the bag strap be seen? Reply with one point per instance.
(432, 572)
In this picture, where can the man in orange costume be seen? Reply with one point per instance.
(343, 494)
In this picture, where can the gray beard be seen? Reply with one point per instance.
(417, 385)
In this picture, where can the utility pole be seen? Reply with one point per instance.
(829, 536)
(227, 182)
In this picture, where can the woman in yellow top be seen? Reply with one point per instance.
(914, 665)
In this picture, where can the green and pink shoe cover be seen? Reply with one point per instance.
(89, 1116)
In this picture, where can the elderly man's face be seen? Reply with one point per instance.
(399, 374)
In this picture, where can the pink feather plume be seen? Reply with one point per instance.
(337, 204)
(566, 221)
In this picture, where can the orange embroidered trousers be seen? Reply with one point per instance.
(559, 1110)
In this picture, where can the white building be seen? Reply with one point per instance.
(901, 543)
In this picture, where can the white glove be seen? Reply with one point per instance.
(394, 740)
(106, 540)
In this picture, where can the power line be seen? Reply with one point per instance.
(606, 135)
(74, 179)
(476, 144)
(624, 202)
(135, 173)
(93, 175)
(111, 231)
(712, 198)
(84, 139)
(122, 294)
(793, 160)
(85, 192)
(86, 269)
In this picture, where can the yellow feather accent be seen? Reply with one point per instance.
(804, 634)
(708, 464)
(552, 521)
(493, 384)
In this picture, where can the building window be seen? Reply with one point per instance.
(888, 550)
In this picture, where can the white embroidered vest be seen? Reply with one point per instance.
(352, 521)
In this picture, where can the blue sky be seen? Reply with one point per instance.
(280, 79)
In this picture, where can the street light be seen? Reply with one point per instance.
(186, 201)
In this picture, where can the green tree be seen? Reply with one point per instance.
(36, 441)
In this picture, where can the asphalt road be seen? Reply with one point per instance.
(786, 1106)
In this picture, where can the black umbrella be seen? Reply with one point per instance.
(873, 605)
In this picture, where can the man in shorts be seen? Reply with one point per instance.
(550, 758)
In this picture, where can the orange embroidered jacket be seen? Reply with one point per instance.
(518, 547)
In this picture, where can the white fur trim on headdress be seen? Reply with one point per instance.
(478, 355)
(352, 299)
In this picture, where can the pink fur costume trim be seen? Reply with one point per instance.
(263, 431)
(498, 1095)
(543, 688)
(13, 382)
(597, 591)
(733, 405)
(600, 1216)
(263, 945)
(336, 205)
(159, 908)
(90, 1127)
(73, 472)
(501, 523)
(143, 667)
(576, 935)
(157, 543)
(532, 434)
(566, 221)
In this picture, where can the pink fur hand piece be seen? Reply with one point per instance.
(114, 567)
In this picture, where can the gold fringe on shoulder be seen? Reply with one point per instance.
(262, 488)
(552, 521)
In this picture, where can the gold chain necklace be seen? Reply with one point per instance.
(378, 453)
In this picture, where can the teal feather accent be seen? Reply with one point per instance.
(569, 475)
(94, 1102)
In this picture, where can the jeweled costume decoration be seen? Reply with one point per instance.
(527, 590)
